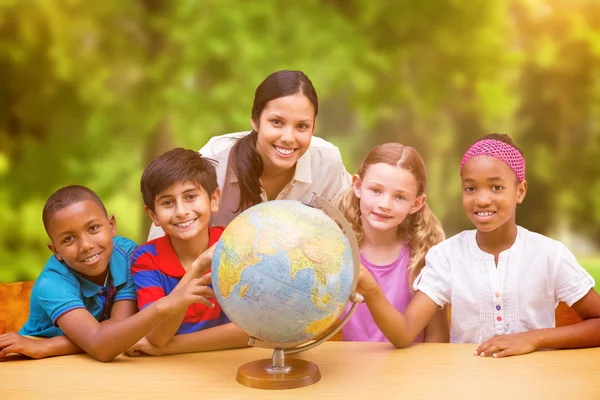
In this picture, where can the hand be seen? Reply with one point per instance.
(11, 343)
(144, 346)
(508, 345)
(366, 285)
(203, 263)
(196, 291)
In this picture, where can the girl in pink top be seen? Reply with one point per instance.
(395, 228)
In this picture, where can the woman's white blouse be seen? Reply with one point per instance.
(319, 170)
(518, 295)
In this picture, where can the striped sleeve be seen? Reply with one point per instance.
(147, 278)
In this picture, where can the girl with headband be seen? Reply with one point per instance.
(502, 281)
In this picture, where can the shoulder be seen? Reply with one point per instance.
(458, 243)
(214, 233)
(325, 157)
(149, 251)
(534, 240)
(544, 249)
(219, 145)
(55, 275)
(323, 148)
(124, 246)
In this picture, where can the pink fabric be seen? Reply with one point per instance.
(394, 282)
(500, 150)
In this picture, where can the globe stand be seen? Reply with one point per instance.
(278, 373)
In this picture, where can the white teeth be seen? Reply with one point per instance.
(283, 151)
(184, 224)
(484, 214)
(92, 258)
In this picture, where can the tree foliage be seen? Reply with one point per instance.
(91, 91)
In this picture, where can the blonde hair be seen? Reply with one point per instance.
(421, 230)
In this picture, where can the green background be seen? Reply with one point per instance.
(91, 91)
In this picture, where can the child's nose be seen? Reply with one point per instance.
(385, 202)
(483, 199)
(85, 243)
(182, 209)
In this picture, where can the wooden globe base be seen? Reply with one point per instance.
(254, 375)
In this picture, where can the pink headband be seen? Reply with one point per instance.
(500, 150)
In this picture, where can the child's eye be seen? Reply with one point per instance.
(191, 196)
(399, 197)
(276, 122)
(68, 239)
(497, 188)
(469, 189)
(374, 190)
(166, 203)
(303, 126)
(94, 228)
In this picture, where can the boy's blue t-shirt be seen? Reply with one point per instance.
(59, 289)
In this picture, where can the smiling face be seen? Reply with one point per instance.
(491, 192)
(82, 236)
(285, 129)
(183, 210)
(388, 194)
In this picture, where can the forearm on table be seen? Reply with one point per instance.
(109, 340)
(60, 346)
(222, 337)
(581, 334)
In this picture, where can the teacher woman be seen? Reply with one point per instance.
(280, 158)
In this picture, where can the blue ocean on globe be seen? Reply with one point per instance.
(283, 271)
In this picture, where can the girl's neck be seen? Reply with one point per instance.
(381, 248)
(273, 182)
(498, 240)
(189, 250)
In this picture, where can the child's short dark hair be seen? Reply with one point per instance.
(177, 165)
(501, 137)
(66, 196)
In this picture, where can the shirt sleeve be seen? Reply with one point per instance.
(146, 279)
(572, 280)
(435, 279)
(58, 295)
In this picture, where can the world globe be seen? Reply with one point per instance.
(283, 272)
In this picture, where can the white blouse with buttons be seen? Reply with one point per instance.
(319, 170)
(518, 295)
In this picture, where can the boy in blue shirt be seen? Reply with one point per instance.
(84, 300)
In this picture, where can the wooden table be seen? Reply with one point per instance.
(369, 371)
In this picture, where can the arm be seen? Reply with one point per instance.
(105, 341)
(166, 329)
(581, 334)
(11, 343)
(400, 329)
(222, 337)
(438, 331)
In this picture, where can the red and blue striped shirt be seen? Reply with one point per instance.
(156, 271)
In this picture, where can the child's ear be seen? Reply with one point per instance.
(214, 201)
(254, 124)
(152, 215)
(113, 225)
(521, 191)
(418, 204)
(356, 185)
(52, 248)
